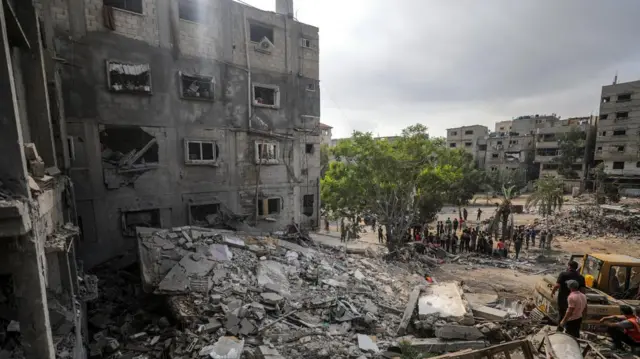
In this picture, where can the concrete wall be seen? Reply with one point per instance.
(214, 47)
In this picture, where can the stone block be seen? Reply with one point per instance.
(408, 312)
(271, 298)
(227, 348)
(449, 331)
(266, 352)
(220, 252)
(212, 326)
(489, 313)
(367, 344)
(437, 345)
(443, 300)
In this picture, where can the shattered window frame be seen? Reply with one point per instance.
(617, 165)
(273, 205)
(199, 80)
(124, 219)
(192, 209)
(308, 204)
(259, 101)
(271, 149)
(114, 65)
(258, 31)
(189, 10)
(187, 152)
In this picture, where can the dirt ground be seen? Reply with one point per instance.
(508, 283)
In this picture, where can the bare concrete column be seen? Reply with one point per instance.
(13, 170)
(31, 296)
(35, 81)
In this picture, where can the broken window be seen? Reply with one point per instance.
(619, 132)
(606, 99)
(604, 117)
(499, 143)
(513, 142)
(201, 152)
(454, 133)
(132, 78)
(268, 206)
(618, 165)
(638, 164)
(620, 148)
(202, 214)
(189, 10)
(311, 87)
(266, 95)
(307, 205)
(576, 167)
(468, 144)
(604, 133)
(495, 155)
(482, 147)
(468, 132)
(308, 148)
(501, 128)
(624, 97)
(452, 145)
(493, 169)
(266, 152)
(196, 87)
(128, 147)
(147, 218)
(129, 5)
(599, 149)
(259, 32)
(622, 115)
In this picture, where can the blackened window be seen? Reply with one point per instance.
(197, 87)
(259, 32)
(129, 5)
(189, 10)
(618, 165)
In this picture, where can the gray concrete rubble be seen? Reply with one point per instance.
(219, 294)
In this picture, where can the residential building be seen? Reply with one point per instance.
(467, 138)
(547, 149)
(504, 126)
(509, 152)
(41, 300)
(617, 141)
(188, 112)
(325, 134)
(528, 124)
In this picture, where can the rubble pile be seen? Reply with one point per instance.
(225, 295)
(597, 221)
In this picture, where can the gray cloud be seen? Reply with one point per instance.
(387, 64)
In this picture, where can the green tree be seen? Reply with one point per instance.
(503, 213)
(325, 152)
(392, 180)
(547, 197)
(605, 188)
(469, 181)
(570, 149)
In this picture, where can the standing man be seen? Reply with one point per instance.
(527, 233)
(479, 215)
(474, 238)
(549, 238)
(455, 225)
(448, 224)
(380, 236)
(343, 233)
(533, 236)
(448, 242)
(625, 329)
(543, 238)
(465, 214)
(563, 290)
(518, 244)
(576, 310)
(454, 244)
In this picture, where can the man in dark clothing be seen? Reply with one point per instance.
(518, 244)
(455, 225)
(380, 236)
(533, 236)
(343, 232)
(448, 243)
(527, 234)
(563, 290)
(448, 225)
(465, 214)
(543, 238)
(454, 244)
(479, 214)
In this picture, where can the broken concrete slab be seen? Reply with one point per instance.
(450, 331)
(176, 281)
(233, 241)
(489, 313)
(271, 298)
(367, 344)
(437, 345)
(370, 307)
(196, 265)
(334, 283)
(307, 252)
(212, 326)
(358, 275)
(227, 348)
(443, 300)
(220, 252)
(267, 352)
(408, 312)
(480, 298)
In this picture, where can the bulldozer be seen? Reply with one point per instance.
(611, 280)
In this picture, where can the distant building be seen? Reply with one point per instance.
(325, 134)
(617, 141)
(468, 138)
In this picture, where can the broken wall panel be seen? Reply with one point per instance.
(145, 218)
(132, 78)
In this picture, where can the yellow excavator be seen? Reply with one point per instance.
(611, 279)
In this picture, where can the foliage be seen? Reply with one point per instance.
(324, 158)
(570, 149)
(409, 352)
(503, 212)
(469, 183)
(548, 196)
(605, 188)
(496, 180)
(400, 182)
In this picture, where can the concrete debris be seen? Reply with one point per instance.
(443, 300)
(227, 348)
(367, 344)
(489, 313)
(13, 327)
(266, 352)
(449, 331)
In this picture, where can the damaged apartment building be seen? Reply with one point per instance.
(42, 290)
(190, 112)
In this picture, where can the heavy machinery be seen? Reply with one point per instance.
(611, 279)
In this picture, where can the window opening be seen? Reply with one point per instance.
(267, 96)
(259, 32)
(129, 5)
(201, 151)
(622, 115)
(624, 97)
(189, 10)
(197, 87)
(618, 165)
(131, 78)
(307, 205)
(269, 206)
(308, 148)
(133, 219)
(204, 214)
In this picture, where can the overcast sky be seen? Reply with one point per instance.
(385, 64)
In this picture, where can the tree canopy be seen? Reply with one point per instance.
(402, 182)
(548, 195)
(570, 149)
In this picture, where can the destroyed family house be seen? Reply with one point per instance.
(42, 288)
(187, 112)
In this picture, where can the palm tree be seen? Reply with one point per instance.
(547, 197)
(503, 213)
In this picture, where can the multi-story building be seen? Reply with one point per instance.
(503, 126)
(527, 125)
(508, 152)
(41, 301)
(547, 150)
(325, 134)
(188, 112)
(617, 141)
(467, 138)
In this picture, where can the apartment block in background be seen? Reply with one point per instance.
(618, 135)
(188, 112)
(467, 138)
